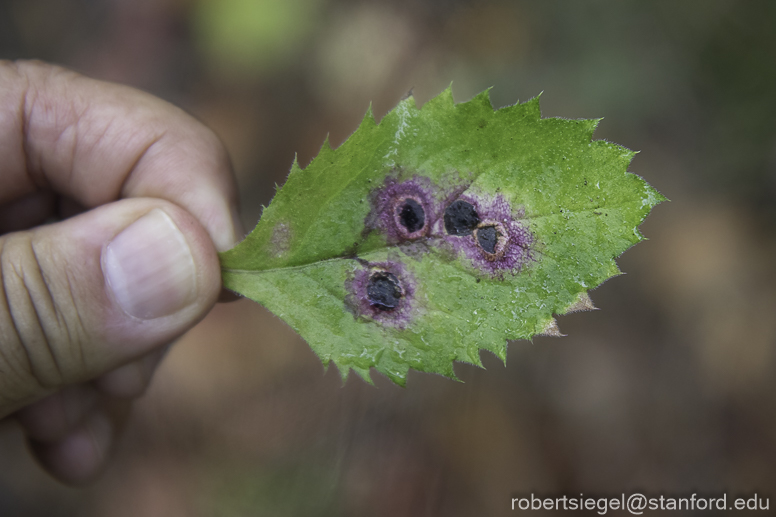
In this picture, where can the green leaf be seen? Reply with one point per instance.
(375, 255)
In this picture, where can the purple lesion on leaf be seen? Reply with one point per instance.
(418, 215)
(488, 232)
(403, 211)
(382, 292)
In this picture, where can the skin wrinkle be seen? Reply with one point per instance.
(17, 269)
(30, 103)
(33, 168)
(73, 118)
(16, 128)
(73, 145)
(53, 306)
(29, 287)
(7, 361)
(151, 140)
(143, 153)
(70, 119)
(118, 190)
(79, 323)
(65, 120)
(4, 266)
(13, 323)
(23, 121)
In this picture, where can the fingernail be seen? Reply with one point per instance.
(226, 232)
(239, 229)
(149, 267)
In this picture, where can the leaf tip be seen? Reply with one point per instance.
(501, 352)
(446, 97)
(369, 116)
(532, 107)
(583, 303)
(484, 98)
(551, 329)
(592, 125)
(326, 145)
(363, 373)
(654, 197)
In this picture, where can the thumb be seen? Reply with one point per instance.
(88, 294)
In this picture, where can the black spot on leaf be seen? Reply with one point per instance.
(461, 218)
(487, 237)
(411, 215)
(384, 291)
(492, 239)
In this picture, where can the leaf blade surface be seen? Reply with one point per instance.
(554, 209)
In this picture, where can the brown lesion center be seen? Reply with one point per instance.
(384, 291)
(492, 238)
(409, 215)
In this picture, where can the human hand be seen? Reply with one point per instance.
(91, 301)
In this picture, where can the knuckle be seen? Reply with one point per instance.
(213, 147)
(40, 324)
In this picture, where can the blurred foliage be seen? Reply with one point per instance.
(249, 37)
(302, 490)
(737, 79)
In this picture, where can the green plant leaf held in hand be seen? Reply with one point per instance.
(441, 231)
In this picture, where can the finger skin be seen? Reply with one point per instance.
(120, 154)
(132, 379)
(53, 417)
(63, 325)
(79, 457)
(96, 142)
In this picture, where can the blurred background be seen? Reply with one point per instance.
(669, 389)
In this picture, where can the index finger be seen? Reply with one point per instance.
(97, 142)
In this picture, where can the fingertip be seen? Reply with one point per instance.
(79, 457)
(119, 281)
(163, 267)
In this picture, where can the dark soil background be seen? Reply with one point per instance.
(668, 389)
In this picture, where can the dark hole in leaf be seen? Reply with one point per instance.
(488, 237)
(384, 290)
(412, 216)
(461, 218)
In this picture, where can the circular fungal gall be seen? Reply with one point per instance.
(500, 242)
(492, 238)
(411, 215)
(384, 290)
(487, 237)
(402, 211)
(461, 218)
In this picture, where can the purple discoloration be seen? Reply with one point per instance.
(512, 251)
(358, 299)
(509, 254)
(387, 202)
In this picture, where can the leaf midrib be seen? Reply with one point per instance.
(393, 247)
